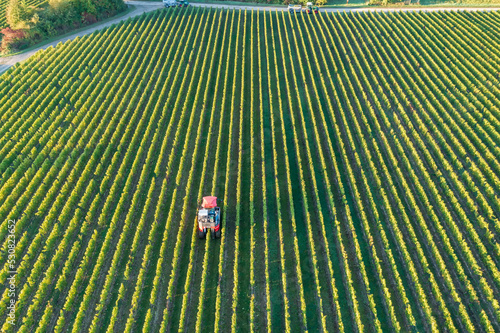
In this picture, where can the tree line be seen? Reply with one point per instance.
(28, 24)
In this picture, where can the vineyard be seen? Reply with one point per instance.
(356, 158)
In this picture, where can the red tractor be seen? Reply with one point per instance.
(209, 217)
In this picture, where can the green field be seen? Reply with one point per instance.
(356, 158)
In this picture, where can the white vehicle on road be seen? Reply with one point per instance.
(170, 3)
(295, 8)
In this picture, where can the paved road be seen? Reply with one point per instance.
(145, 6)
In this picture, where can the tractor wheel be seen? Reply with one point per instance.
(217, 234)
(201, 234)
(212, 234)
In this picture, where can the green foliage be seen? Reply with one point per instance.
(18, 14)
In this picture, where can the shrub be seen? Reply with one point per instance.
(12, 39)
(19, 14)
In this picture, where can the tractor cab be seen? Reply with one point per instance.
(209, 216)
(310, 9)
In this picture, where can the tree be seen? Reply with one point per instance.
(18, 14)
(108, 6)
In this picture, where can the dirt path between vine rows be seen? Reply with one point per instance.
(147, 6)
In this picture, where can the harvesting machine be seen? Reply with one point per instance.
(308, 8)
(209, 217)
